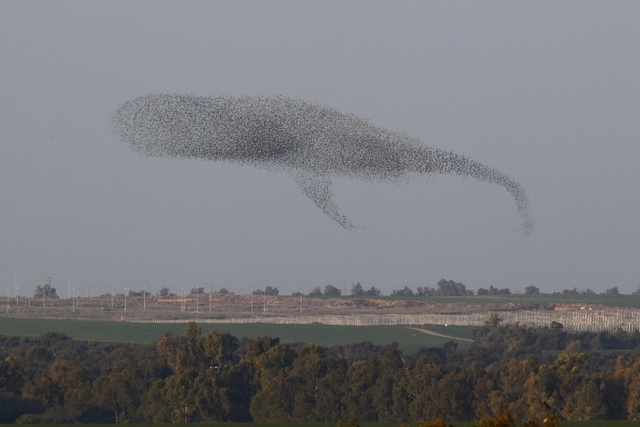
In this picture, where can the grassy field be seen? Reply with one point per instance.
(408, 339)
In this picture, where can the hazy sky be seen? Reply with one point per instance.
(546, 92)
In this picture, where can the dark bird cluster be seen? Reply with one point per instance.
(310, 141)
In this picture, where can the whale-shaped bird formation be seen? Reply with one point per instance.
(311, 141)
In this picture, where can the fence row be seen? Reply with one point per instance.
(574, 320)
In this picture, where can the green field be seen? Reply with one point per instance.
(408, 340)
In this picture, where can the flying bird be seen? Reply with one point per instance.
(312, 142)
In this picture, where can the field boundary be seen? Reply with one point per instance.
(436, 334)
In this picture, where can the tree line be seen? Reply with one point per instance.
(218, 377)
(444, 287)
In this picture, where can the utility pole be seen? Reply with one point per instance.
(125, 298)
(210, 295)
(144, 297)
(264, 300)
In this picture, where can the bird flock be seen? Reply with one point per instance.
(312, 142)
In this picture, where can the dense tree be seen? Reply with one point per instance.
(115, 393)
(405, 292)
(358, 399)
(531, 290)
(15, 406)
(11, 375)
(389, 376)
(449, 288)
(425, 291)
(316, 291)
(331, 290)
(494, 291)
(372, 291)
(140, 293)
(274, 399)
(45, 291)
(198, 378)
(357, 290)
(308, 370)
(271, 290)
(219, 349)
(183, 351)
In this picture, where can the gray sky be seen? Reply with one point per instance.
(546, 92)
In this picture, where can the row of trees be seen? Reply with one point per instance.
(166, 292)
(217, 377)
(268, 290)
(610, 291)
(495, 291)
(444, 288)
(329, 290)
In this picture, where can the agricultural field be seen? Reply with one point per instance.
(133, 319)
(408, 339)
